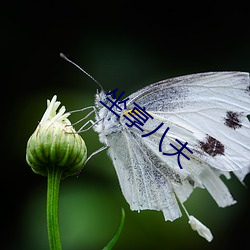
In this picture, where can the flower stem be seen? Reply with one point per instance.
(54, 177)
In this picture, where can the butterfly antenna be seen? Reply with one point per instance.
(90, 76)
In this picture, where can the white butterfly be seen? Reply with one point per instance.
(209, 112)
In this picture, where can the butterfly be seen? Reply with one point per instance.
(208, 113)
(207, 110)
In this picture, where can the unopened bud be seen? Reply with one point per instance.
(55, 143)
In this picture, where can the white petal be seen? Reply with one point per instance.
(51, 114)
(200, 228)
(48, 113)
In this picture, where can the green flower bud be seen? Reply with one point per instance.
(55, 144)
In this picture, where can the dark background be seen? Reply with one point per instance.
(125, 45)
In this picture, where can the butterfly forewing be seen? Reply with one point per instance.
(211, 111)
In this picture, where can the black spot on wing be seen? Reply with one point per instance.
(190, 181)
(212, 146)
(248, 117)
(233, 119)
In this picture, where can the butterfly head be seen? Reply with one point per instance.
(107, 122)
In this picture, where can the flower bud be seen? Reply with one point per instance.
(55, 144)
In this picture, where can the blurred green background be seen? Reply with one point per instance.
(125, 46)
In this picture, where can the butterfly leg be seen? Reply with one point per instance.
(81, 129)
(91, 155)
(96, 152)
(86, 116)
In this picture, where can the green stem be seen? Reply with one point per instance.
(54, 177)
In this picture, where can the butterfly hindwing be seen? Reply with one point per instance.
(139, 173)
